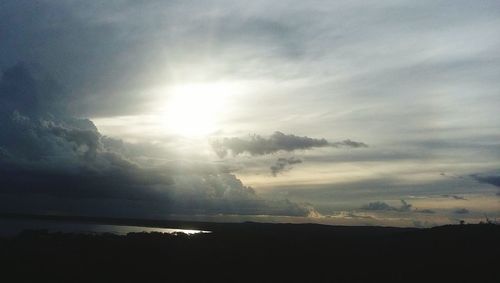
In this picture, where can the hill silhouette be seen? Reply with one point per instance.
(257, 252)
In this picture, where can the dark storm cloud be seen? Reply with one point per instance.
(116, 183)
(47, 153)
(112, 49)
(491, 179)
(419, 79)
(488, 179)
(226, 194)
(283, 164)
(109, 53)
(24, 89)
(258, 145)
(34, 125)
(382, 206)
(83, 44)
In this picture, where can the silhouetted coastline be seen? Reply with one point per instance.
(256, 252)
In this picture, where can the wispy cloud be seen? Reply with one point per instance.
(284, 164)
(258, 145)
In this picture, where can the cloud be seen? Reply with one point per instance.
(283, 164)
(58, 159)
(461, 211)
(382, 206)
(427, 211)
(488, 179)
(491, 179)
(112, 56)
(349, 143)
(226, 194)
(349, 215)
(405, 207)
(454, 197)
(258, 145)
(27, 90)
(223, 193)
(378, 205)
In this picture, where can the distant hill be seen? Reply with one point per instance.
(255, 252)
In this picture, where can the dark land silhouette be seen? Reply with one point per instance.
(253, 252)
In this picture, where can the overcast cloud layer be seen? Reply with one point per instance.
(372, 103)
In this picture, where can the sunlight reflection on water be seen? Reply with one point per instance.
(12, 227)
(128, 229)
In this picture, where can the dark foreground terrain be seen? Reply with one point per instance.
(252, 252)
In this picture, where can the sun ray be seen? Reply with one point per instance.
(194, 110)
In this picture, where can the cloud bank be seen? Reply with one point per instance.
(50, 157)
(382, 206)
(419, 80)
(491, 179)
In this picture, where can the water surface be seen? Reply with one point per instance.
(12, 227)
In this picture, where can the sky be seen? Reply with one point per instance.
(334, 112)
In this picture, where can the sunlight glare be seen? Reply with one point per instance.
(196, 109)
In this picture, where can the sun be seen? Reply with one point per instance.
(195, 110)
